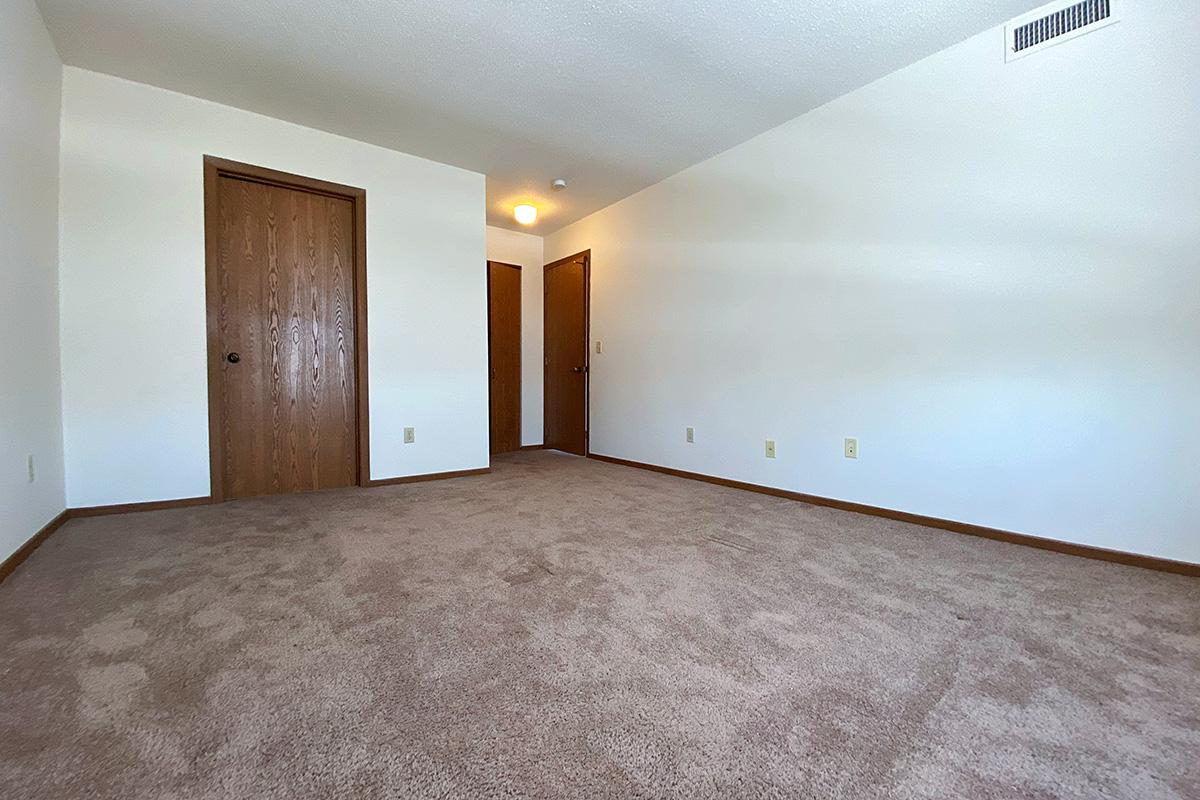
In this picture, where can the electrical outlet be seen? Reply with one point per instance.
(770, 448)
(599, 347)
(691, 435)
(410, 435)
(851, 448)
(32, 470)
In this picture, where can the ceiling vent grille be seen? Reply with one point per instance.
(1054, 24)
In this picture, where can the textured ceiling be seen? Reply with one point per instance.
(613, 96)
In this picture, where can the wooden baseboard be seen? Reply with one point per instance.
(128, 508)
(1042, 543)
(429, 476)
(26, 550)
(533, 447)
(1083, 551)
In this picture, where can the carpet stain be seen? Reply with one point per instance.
(107, 693)
(531, 573)
(114, 633)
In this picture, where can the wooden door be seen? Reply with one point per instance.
(285, 338)
(504, 355)
(566, 353)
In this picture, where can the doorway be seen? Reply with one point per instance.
(504, 355)
(566, 292)
(285, 263)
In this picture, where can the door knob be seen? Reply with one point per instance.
(233, 358)
(578, 369)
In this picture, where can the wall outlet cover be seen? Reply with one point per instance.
(691, 435)
(851, 448)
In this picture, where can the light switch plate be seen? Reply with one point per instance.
(410, 435)
(770, 448)
(851, 448)
(691, 435)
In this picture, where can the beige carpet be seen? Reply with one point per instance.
(569, 628)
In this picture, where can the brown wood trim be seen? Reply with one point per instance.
(129, 508)
(520, 336)
(586, 255)
(360, 336)
(429, 476)
(533, 447)
(212, 302)
(1042, 543)
(214, 168)
(287, 180)
(26, 550)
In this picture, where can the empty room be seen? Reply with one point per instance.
(600, 400)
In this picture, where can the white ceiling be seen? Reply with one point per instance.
(613, 96)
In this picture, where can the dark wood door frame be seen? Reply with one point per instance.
(491, 369)
(586, 257)
(214, 169)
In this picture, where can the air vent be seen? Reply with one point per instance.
(1054, 24)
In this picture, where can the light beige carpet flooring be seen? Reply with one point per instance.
(564, 628)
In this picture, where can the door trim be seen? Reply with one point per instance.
(214, 169)
(586, 255)
(520, 331)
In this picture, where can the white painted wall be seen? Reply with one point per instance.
(30, 399)
(525, 249)
(988, 273)
(132, 260)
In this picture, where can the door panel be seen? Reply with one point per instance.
(504, 355)
(566, 354)
(286, 308)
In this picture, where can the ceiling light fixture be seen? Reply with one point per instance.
(559, 184)
(525, 214)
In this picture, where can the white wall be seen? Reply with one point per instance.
(988, 273)
(133, 309)
(30, 400)
(525, 249)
